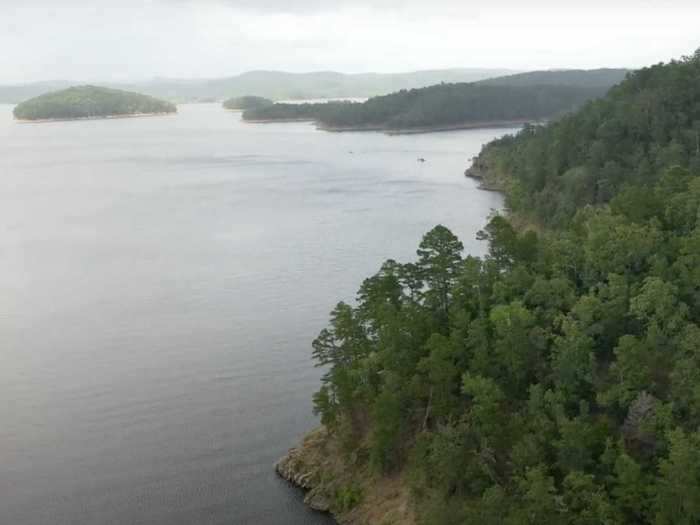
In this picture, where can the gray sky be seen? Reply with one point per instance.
(138, 39)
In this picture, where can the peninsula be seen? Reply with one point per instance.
(509, 101)
(554, 380)
(247, 102)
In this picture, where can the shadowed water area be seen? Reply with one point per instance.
(161, 281)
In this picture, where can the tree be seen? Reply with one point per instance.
(616, 246)
(439, 259)
(502, 239)
(631, 489)
(484, 412)
(440, 379)
(515, 351)
(677, 501)
(685, 377)
(341, 348)
(573, 362)
(586, 502)
(539, 502)
(388, 415)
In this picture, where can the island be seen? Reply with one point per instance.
(89, 102)
(510, 102)
(554, 380)
(247, 102)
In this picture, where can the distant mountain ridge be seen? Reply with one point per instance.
(276, 85)
(584, 78)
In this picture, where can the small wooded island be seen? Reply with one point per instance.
(85, 102)
(246, 103)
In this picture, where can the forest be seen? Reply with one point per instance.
(557, 379)
(286, 111)
(246, 102)
(647, 123)
(88, 102)
(519, 98)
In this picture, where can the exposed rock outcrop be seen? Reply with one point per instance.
(343, 486)
(479, 171)
(297, 469)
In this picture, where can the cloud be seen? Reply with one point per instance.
(435, 6)
(136, 39)
(329, 6)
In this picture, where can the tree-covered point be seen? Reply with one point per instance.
(557, 379)
(90, 102)
(444, 105)
(286, 111)
(649, 122)
(440, 106)
(247, 102)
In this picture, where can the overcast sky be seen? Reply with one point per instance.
(139, 39)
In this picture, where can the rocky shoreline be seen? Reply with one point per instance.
(344, 487)
(294, 469)
(480, 172)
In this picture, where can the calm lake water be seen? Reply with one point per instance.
(161, 281)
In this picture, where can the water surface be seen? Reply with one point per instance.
(161, 280)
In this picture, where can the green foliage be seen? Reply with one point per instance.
(89, 102)
(556, 380)
(447, 105)
(677, 499)
(389, 420)
(630, 489)
(648, 123)
(439, 258)
(536, 385)
(290, 112)
(246, 103)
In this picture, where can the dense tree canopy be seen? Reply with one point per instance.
(557, 379)
(648, 123)
(443, 105)
(283, 111)
(246, 102)
(88, 102)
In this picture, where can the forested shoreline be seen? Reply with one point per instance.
(246, 102)
(522, 98)
(554, 380)
(438, 106)
(84, 102)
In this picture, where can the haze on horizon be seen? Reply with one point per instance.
(131, 40)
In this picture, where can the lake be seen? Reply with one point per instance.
(161, 281)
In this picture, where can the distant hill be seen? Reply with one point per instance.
(275, 85)
(508, 100)
(14, 94)
(592, 78)
(247, 102)
(90, 102)
(300, 86)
